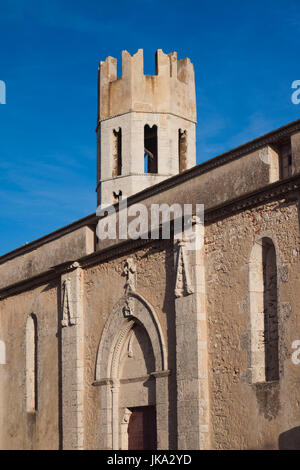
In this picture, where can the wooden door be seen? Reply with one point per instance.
(142, 428)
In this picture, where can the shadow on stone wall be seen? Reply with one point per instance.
(290, 440)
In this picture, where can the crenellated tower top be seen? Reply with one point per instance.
(170, 90)
(145, 124)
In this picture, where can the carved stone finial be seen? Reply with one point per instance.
(68, 317)
(72, 265)
(130, 273)
(75, 265)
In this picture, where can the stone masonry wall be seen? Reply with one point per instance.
(245, 415)
(20, 429)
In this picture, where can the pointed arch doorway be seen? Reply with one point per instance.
(133, 379)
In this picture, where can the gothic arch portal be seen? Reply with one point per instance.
(131, 335)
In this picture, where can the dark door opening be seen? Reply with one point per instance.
(142, 428)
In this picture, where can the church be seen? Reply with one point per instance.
(144, 344)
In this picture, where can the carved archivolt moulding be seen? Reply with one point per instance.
(116, 330)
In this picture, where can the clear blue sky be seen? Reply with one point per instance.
(245, 53)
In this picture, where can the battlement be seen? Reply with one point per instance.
(170, 90)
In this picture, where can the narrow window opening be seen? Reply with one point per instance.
(117, 153)
(264, 336)
(182, 150)
(270, 311)
(31, 364)
(150, 149)
(286, 161)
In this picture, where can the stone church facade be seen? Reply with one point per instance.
(130, 344)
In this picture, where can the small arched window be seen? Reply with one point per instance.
(150, 149)
(182, 150)
(264, 312)
(117, 153)
(31, 364)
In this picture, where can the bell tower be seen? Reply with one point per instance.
(145, 125)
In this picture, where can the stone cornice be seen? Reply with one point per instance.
(268, 139)
(93, 259)
(152, 375)
(227, 157)
(275, 191)
(28, 284)
(86, 221)
(117, 251)
(184, 118)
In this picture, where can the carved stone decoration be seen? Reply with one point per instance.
(124, 429)
(130, 273)
(73, 266)
(127, 414)
(284, 273)
(128, 309)
(183, 285)
(68, 317)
